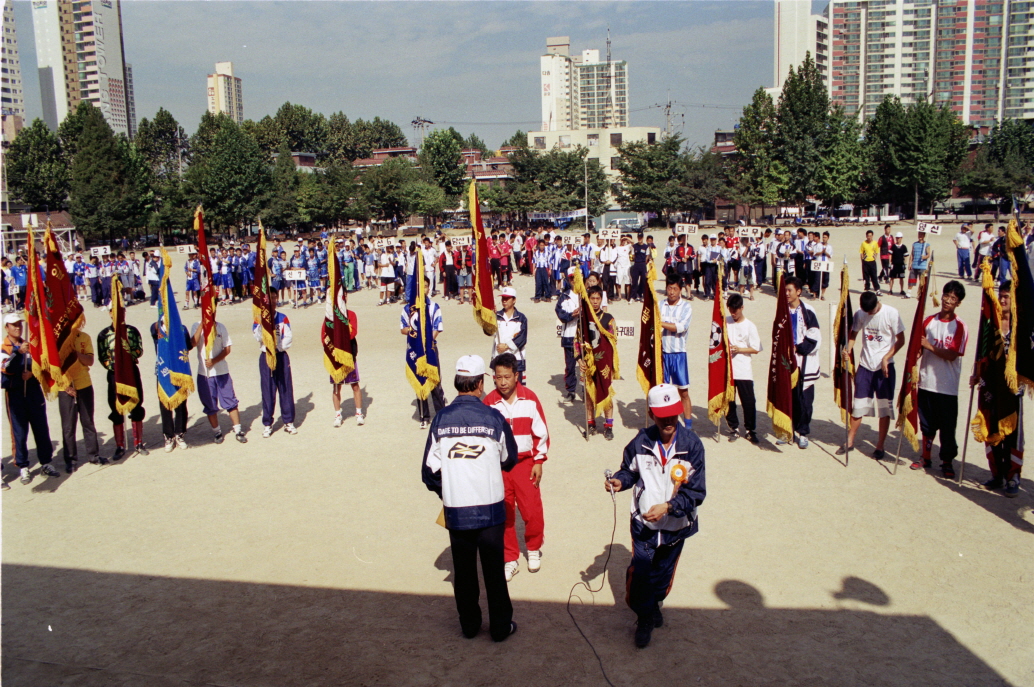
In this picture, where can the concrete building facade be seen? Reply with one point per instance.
(80, 56)
(602, 144)
(581, 91)
(12, 97)
(225, 93)
(798, 32)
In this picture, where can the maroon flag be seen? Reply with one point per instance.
(782, 368)
(209, 296)
(908, 396)
(649, 370)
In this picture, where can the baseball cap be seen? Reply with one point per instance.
(470, 366)
(570, 270)
(12, 318)
(508, 292)
(664, 401)
(899, 235)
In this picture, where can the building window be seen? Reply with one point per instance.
(540, 142)
(651, 138)
(614, 162)
(593, 140)
(615, 141)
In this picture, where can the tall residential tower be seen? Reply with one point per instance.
(11, 95)
(582, 91)
(80, 56)
(224, 92)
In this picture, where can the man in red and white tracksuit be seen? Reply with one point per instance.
(522, 410)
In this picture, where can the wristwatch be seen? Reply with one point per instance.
(670, 509)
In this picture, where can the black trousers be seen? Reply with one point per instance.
(638, 274)
(174, 422)
(137, 413)
(450, 280)
(745, 390)
(940, 413)
(570, 370)
(803, 402)
(437, 397)
(710, 270)
(872, 282)
(649, 576)
(467, 546)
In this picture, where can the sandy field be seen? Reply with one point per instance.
(314, 559)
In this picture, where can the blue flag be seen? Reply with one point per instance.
(172, 368)
(421, 351)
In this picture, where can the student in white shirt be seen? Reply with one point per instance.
(874, 377)
(622, 269)
(744, 342)
(963, 244)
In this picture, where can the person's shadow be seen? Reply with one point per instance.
(614, 557)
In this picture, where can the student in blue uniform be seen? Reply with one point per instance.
(276, 382)
(193, 269)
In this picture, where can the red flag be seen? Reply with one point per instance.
(843, 375)
(997, 404)
(336, 332)
(599, 352)
(42, 347)
(782, 368)
(908, 396)
(209, 296)
(127, 396)
(650, 370)
(483, 296)
(720, 389)
(262, 309)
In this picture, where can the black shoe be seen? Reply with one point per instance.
(241, 438)
(608, 433)
(658, 618)
(142, 450)
(98, 460)
(218, 438)
(120, 453)
(643, 631)
(733, 434)
(878, 454)
(513, 629)
(592, 429)
(992, 484)
(570, 397)
(49, 471)
(472, 631)
(70, 466)
(752, 437)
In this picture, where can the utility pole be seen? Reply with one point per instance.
(420, 125)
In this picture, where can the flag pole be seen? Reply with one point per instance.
(581, 371)
(965, 440)
(847, 376)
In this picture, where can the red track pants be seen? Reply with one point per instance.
(521, 493)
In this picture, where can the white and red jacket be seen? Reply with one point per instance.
(527, 420)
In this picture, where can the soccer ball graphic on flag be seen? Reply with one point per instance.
(716, 336)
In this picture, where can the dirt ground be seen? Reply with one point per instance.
(314, 559)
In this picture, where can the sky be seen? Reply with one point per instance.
(471, 65)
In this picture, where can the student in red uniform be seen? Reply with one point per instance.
(521, 408)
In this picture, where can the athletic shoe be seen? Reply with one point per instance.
(993, 483)
(643, 631)
(752, 437)
(120, 451)
(360, 419)
(169, 445)
(534, 561)
(608, 433)
(290, 428)
(947, 471)
(658, 618)
(570, 397)
(267, 431)
(218, 438)
(240, 437)
(182, 443)
(141, 449)
(732, 434)
(841, 450)
(918, 465)
(1012, 488)
(423, 424)
(802, 441)
(337, 420)
(592, 429)
(511, 569)
(26, 476)
(70, 466)
(49, 471)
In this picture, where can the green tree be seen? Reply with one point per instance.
(474, 142)
(703, 179)
(303, 130)
(760, 177)
(71, 129)
(349, 141)
(440, 157)
(164, 145)
(203, 140)
(329, 195)
(280, 210)
(843, 161)
(554, 181)
(37, 171)
(651, 176)
(802, 119)
(384, 188)
(518, 140)
(230, 178)
(1010, 147)
(425, 199)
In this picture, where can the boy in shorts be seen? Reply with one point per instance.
(214, 384)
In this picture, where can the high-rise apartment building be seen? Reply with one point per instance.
(798, 32)
(11, 96)
(80, 56)
(582, 91)
(977, 56)
(224, 92)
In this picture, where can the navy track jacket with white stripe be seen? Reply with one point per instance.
(468, 447)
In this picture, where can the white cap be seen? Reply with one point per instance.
(664, 401)
(570, 270)
(508, 292)
(12, 318)
(899, 235)
(470, 366)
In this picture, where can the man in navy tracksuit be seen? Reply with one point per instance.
(468, 447)
(568, 310)
(665, 465)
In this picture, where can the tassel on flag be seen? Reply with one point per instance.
(127, 396)
(1019, 370)
(997, 404)
(172, 365)
(720, 388)
(262, 309)
(782, 368)
(649, 368)
(599, 352)
(336, 332)
(908, 396)
(209, 297)
(483, 296)
(843, 374)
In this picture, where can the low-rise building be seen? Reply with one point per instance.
(602, 144)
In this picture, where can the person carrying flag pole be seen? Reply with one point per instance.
(483, 298)
(172, 345)
(908, 397)
(209, 293)
(844, 366)
(720, 388)
(421, 323)
(672, 318)
(598, 355)
(339, 344)
(119, 347)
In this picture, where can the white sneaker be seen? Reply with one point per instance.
(511, 569)
(360, 419)
(169, 445)
(338, 420)
(267, 431)
(181, 442)
(802, 441)
(25, 476)
(534, 561)
(290, 428)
